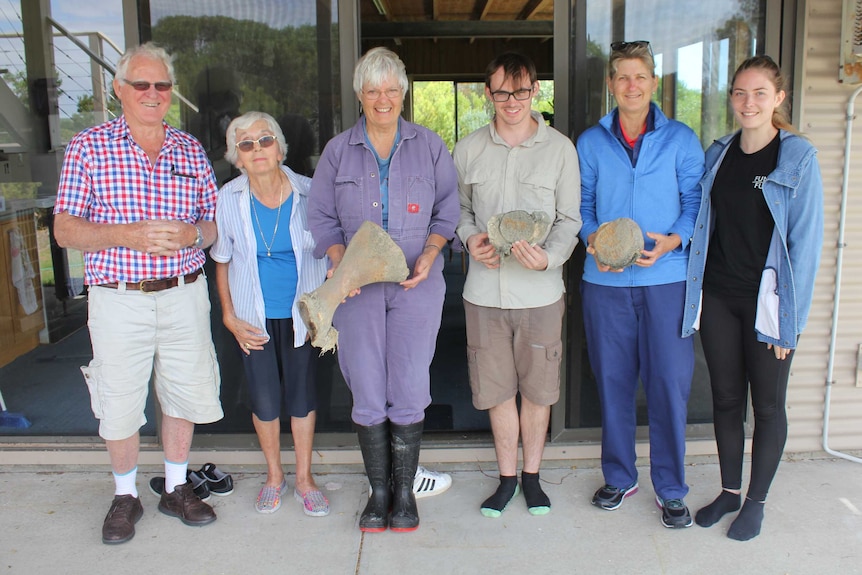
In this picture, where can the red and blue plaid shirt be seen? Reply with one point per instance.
(107, 178)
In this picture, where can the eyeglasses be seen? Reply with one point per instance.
(520, 94)
(248, 145)
(622, 46)
(142, 86)
(374, 93)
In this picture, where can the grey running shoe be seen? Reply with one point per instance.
(674, 513)
(610, 497)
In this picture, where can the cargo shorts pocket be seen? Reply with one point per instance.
(93, 379)
(553, 358)
(541, 384)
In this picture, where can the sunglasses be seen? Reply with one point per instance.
(144, 86)
(622, 46)
(248, 145)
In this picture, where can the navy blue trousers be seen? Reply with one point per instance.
(635, 332)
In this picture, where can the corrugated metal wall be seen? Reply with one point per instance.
(822, 105)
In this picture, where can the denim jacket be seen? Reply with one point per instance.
(423, 191)
(794, 195)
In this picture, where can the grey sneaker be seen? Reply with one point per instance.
(674, 513)
(610, 497)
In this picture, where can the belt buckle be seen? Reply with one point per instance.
(144, 283)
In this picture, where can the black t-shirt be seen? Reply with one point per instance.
(743, 223)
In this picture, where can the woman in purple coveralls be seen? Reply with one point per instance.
(400, 176)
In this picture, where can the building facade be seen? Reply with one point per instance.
(294, 59)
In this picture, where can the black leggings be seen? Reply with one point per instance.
(737, 362)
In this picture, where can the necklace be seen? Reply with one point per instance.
(271, 243)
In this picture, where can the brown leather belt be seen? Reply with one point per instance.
(147, 286)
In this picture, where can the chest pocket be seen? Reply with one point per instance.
(180, 192)
(420, 204)
(486, 187)
(536, 193)
(349, 198)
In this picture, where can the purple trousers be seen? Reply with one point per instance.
(386, 341)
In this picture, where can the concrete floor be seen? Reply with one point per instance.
(50, 522)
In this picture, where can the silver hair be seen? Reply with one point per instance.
(376, 66)
(243, 123)
(147, 50)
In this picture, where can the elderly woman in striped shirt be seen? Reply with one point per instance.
(264, 263)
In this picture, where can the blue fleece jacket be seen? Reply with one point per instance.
(661, 193)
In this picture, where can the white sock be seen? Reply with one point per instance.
(175, 474)
(125, 484)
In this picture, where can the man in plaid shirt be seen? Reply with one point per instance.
(138, 198)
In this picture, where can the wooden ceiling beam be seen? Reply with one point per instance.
(383, 8)
(458, 29)
(483, 8)
(529, 9)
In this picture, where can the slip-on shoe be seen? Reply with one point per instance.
(219, 482)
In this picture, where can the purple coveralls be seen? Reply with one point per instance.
(386, 335)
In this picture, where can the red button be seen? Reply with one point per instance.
(413, 208)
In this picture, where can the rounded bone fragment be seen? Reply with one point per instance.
(618, 243)
(507, 228)
(370, 257)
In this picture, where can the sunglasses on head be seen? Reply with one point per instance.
(622, 46)
(142, 86)
(248, 145)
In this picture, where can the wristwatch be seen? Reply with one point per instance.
(199, 240)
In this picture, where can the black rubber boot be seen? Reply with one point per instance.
(406, 440)
(377, 455)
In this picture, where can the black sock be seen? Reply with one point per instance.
(723, 504)
(507, 489)
(747, 524)
(536, 498)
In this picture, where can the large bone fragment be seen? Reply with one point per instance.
(370, 257)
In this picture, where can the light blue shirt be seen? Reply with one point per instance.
(276, 265)
(236, 244)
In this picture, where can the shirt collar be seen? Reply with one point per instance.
(540, 135)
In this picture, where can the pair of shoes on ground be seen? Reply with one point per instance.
(674, 512)
(314, 502)
(208, 480)
(427, 483)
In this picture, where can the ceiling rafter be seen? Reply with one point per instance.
(483, 8)
(531, 7)
(383, 8)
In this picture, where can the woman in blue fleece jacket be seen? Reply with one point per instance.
(637, 163)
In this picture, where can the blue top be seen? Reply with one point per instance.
(277, 267)
(794, 194)
(660, 192)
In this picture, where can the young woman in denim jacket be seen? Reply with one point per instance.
(754, 255)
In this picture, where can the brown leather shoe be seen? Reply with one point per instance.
(186, 505)
(119, 525)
